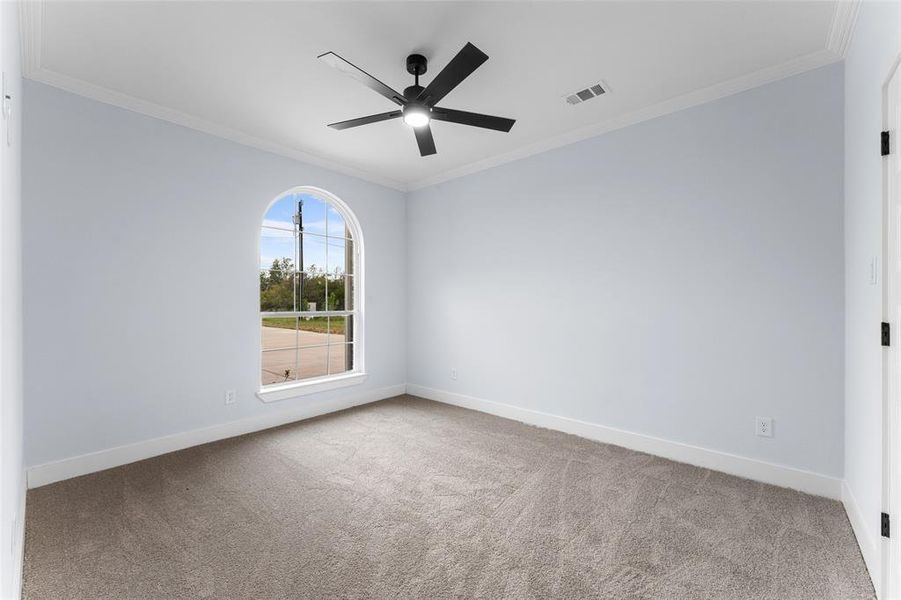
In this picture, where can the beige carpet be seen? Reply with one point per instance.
(412, 499)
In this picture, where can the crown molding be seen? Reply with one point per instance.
(118, 99)
(31, 14)
(797, 66)
(844, 18)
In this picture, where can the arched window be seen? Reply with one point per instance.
(310, 295)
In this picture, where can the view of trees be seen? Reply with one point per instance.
(279, 284)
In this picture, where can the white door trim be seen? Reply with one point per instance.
(888, 579)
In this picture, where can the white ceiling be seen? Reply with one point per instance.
(248, 71)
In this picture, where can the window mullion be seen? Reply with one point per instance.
(307, 313)
(298, 282)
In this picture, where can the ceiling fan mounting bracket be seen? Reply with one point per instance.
(417, 64)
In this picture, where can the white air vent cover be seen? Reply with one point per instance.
(580, 96)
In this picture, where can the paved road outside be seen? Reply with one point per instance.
(282, 352)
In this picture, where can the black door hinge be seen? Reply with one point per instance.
(886, 529)
(886, 334)
(886, 143)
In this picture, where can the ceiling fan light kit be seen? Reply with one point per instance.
(416, 116)
(418, 104)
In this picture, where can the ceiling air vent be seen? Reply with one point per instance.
(592, 91)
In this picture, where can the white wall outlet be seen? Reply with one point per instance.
(454, 374)
(231, 396)
(764, 427)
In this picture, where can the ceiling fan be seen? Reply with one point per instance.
(417, 103)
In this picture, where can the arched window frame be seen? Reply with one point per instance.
(275, 392)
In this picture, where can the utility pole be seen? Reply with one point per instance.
(298, 269)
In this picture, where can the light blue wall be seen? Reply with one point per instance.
(141, 280)
(676, 278)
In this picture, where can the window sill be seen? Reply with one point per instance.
(293, 390)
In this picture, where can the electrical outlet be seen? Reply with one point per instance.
(231, 396)
(454, 374)
(764, 427)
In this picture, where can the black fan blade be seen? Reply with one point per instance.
(425, 140)
(366, 120)
(333, 60)
(475, 119)
(459, 68)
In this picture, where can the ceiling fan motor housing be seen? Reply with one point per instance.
(412, 92)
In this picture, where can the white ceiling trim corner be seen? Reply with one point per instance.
(31, 23)
(844, 18)
(31, 17)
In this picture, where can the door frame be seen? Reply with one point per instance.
(890, 570)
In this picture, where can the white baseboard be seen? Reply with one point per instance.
(775, 474)
(122, 455)
(870, 548)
